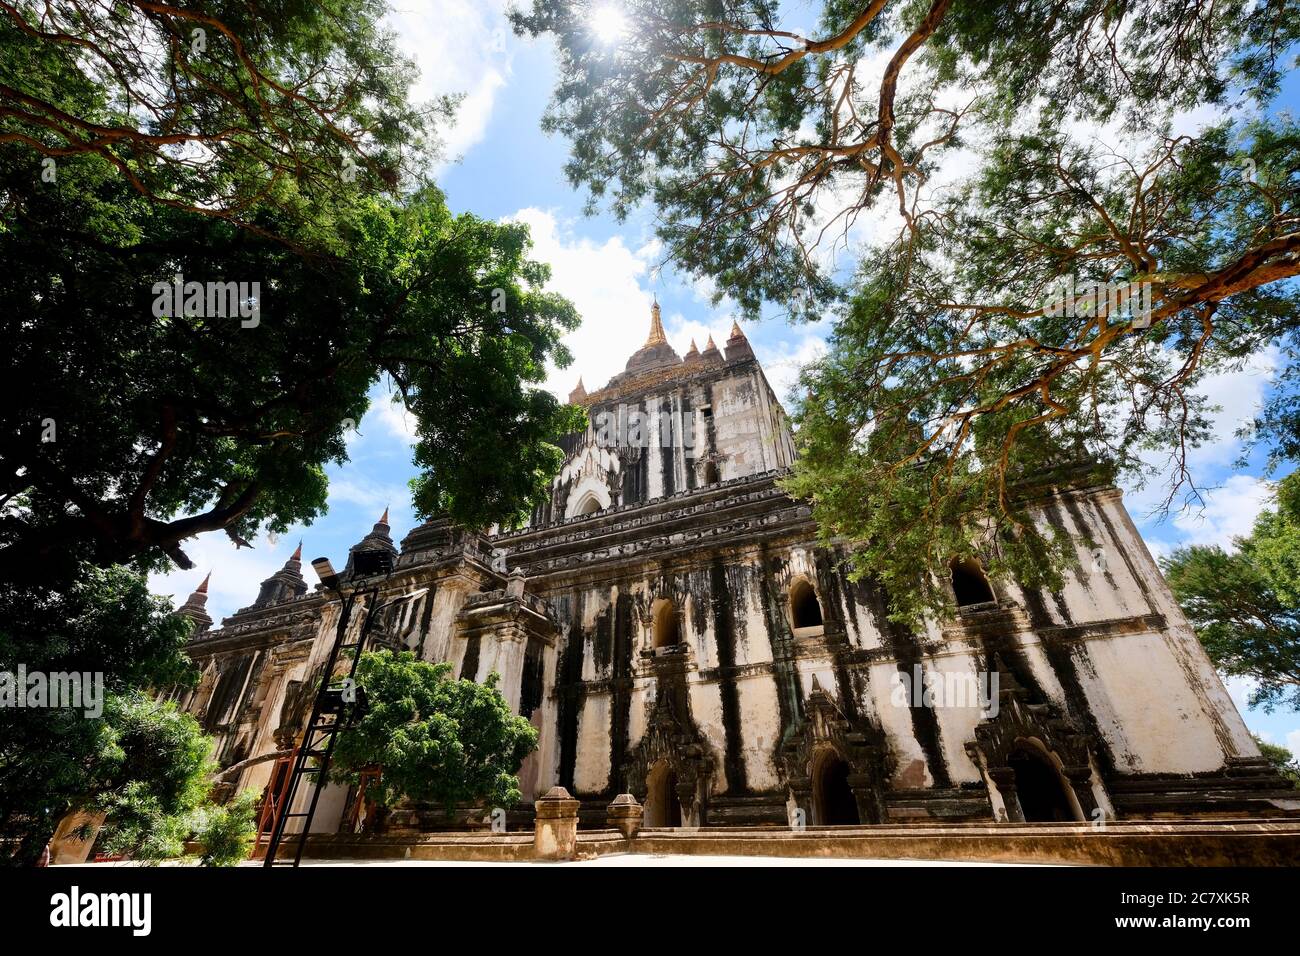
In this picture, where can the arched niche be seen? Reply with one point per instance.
(588, 496)
(970, 585)
(663, 807)
(665, 625)
(834, 803)
(805, 609)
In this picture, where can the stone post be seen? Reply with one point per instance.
(1004, 778)
(870, 807)
(555, 827)
(1080, 779)
(624, 815)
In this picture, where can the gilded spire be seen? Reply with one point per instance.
(735, 330)
(384, 519)
(657, 336)
(297, 554)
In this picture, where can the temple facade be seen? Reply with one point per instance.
(670, 623)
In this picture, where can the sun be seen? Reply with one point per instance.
(609, 24)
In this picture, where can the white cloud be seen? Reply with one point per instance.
(460, 46)
(783, 360)
(1239, 395)
(392, 417)
(372, 497)
(1240, 689)
(603, 280)
(1293, 742)
(1229, 512)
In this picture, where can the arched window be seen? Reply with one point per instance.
(589, 506)
(710, 473)
(664, 615)
(970, 585)
(805, 610)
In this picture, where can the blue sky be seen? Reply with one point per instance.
(502, 166)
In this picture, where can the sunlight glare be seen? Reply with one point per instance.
(609, 24)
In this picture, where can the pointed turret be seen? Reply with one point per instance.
(196, 608)
(692, 355)
(711, 353)
(286, 584)
(579, 394)
(738, 346)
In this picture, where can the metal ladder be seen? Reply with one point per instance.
(329, 715)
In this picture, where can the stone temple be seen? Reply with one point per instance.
(669, 623)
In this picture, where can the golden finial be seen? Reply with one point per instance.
(657, 336)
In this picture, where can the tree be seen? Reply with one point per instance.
(1059, 303)
(226, 832)
(149, 777)
(433, 739)
(1245, 605)
(134, 431)
(135, 753)
(218, 109)
(1283, 761)
(196, 305)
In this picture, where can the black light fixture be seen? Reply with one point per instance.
(325, 571)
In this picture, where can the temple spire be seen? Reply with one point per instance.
(657, 336)
(384, 519)
(297, 554)
(738, 346)
(196, 609)
(578, 394)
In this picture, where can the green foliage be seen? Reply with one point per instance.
(151, 774)
(231, 427)
(169, 426)
(1245, 605)
(226, 831)
(53, 760)
(750, 134)
(1283, 761)
(278, 99)
(434, 739)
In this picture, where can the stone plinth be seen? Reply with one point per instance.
(624, 815)
(555, 830)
